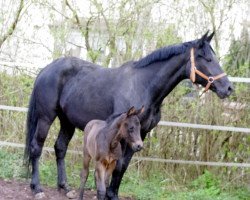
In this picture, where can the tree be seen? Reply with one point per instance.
(217, 14)
(118, 27)
(237, 62)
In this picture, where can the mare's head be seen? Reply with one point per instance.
(205, 69)
(130, 128)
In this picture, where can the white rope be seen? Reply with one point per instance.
(188, 162)
(11, 108)
(239, 79)
(203, 126)
(220, 164)
(164, 123)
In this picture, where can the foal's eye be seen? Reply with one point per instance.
(130, 129)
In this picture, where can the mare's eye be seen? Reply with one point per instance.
(207, 59)
(203, 57)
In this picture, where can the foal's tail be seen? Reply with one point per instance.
(31, 124)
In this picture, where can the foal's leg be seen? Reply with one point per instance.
(35, 153)
(100, 181)
(121, 166)
(61, 145)
(109, 173)
(84, 173)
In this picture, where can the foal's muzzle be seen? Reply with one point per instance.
(137, 146)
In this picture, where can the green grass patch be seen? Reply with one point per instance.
(140, 186)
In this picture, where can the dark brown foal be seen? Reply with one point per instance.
(102, 144)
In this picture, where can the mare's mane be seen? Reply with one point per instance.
(164, 53)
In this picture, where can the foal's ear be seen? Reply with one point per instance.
(131, 111)
(140, 111)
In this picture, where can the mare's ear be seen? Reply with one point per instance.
(201, 41)
(209, 38)
(131, 111)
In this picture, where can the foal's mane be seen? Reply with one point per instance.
(164, 53)
(112, 117)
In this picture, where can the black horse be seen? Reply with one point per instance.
(77, 91)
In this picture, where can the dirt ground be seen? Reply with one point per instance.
(21, 191)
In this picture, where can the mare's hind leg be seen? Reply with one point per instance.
(35, 153)
(61, 145)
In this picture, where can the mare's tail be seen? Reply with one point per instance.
(31, 124)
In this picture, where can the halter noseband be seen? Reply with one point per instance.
(194, 70)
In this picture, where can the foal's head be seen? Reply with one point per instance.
(130, 128)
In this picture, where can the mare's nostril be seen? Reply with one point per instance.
(230, 89)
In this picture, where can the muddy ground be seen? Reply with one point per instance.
(21, 191)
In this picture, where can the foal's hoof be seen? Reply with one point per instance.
(40, 195)
(71, 194)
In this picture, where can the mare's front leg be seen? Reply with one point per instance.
(121, 167)
(100, 174)
(84, 173)
(61, 145)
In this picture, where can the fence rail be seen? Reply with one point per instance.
(151, 159)
(164, 123)
(239, 79)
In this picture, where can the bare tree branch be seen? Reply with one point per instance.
(84, 31)
(13, 25)
(75, 14)
(54, 9)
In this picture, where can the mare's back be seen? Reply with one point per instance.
(63, 69)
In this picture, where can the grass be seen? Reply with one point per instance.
(135, 183)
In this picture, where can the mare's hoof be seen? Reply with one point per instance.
(71, 194)
(113, 198)
(40, 195)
